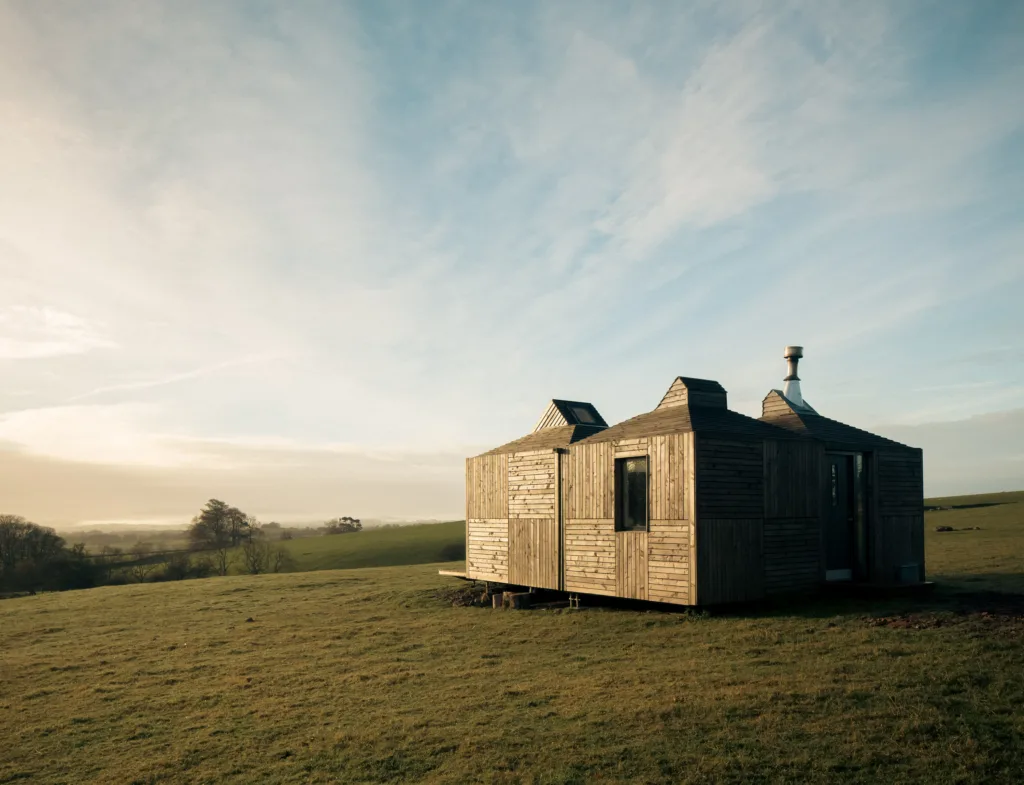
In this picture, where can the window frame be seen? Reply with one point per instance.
(621, 498)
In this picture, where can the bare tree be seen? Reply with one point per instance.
(281, 559)
(256, 552)
(141, 567)
(221, 559)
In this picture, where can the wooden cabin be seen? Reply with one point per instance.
(695, 504)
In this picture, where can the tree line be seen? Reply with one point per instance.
(220, 537)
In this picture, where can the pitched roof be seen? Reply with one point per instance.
(699, 419)
(701, 385)
(686, 390)
(548, 439)
(780, 411)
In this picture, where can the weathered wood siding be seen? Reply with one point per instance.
(792, 478)
(591, 486)
(792, 554)
(730, 479)
(487, 517)
(631, 565)
(487, 549)
(667, 465)
(792, 544)
(668, 561)
(487, 487)
(630, 447)
(729, 565)
(552, 418)
(898, 539)
(900, 483)
(533, 552)
(531, 484)
(679, 395)
(655, 564)
(590, 555)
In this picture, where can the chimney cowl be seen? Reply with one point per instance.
(792, 355)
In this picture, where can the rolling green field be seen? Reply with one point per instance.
(372, 675)
(415, 544)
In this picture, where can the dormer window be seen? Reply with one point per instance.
(583, 415)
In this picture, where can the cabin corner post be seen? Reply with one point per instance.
(921, 518)
(467, 477)
(691, 501)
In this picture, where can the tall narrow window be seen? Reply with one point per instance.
(631, 494)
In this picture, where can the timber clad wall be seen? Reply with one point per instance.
(899, 540)
(792, 543)
(533, 542)
(668, 561)
(487, 549)
(668, 477)
(487, 487)
(590, 553)
(792, 479)
(533, 552)
(730, 477)
(631, 565)
(487, 517)
(729, 566)
(900, 483)
(591, 486)
(792, 554)
(652, 565)
(531, 484)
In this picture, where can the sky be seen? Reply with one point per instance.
(306, 257)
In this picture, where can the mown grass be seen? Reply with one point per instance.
(370, 676)
(414, 544)
(991, 558)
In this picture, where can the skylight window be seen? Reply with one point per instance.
(583, 415)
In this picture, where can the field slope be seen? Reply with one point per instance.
(371, 675)
(414, 544)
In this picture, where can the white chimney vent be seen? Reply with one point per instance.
(792, 387)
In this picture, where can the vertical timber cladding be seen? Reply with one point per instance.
(631, 546)
(651, 565)
(588, 490)
(899, 537)
(793, 472)
(730, 510)
(487, 517)
(669, 550)
(533, 546)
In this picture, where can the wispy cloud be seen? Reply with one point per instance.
(32, 332)
(174, 378)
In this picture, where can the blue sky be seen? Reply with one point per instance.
(310, 255)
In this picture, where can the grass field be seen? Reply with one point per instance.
(371, 675)
(415, 544)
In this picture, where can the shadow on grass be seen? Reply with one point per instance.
(943, 598)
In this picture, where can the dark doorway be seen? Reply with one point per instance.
(840, 521)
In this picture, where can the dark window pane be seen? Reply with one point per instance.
(583, 415)
(631, 488)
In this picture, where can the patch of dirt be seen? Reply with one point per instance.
(983, 610)
(464, 596)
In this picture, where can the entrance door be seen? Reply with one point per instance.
(840, 519)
